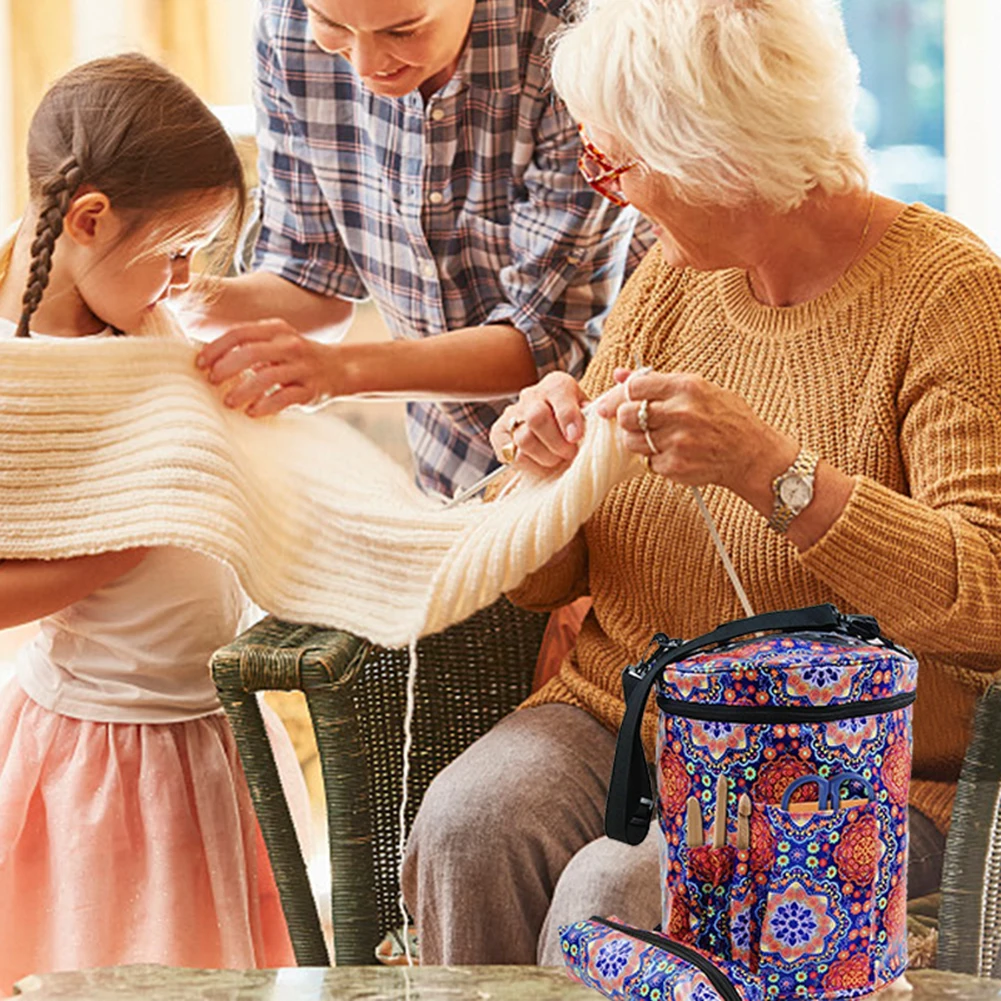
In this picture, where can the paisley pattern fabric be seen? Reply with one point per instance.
(626, 968)
(816, 906)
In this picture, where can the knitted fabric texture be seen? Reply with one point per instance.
(894, 376)
(121, 442)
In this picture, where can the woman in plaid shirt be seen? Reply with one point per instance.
(413, 152)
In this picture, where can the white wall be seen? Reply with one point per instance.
(972, 115)
(103, 27)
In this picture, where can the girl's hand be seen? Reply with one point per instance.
(700, 433)
(271, 365)
(546, 425)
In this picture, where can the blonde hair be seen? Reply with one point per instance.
(731, 100)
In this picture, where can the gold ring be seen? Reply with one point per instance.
(516, 422)
(508, 452)
(646, 462)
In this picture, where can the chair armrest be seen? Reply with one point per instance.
(276, 655)
(282, 656)
(970, 913)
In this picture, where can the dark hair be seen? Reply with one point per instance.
(131, 129)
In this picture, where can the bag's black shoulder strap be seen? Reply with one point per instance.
(630, 804)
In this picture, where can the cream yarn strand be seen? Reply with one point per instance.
(731, 571)
(408, 743)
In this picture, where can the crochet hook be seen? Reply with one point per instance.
(743, 822)
(480, 485)
(719, 821)
(693, 824)
(477, 488)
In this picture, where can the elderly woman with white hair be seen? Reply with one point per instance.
(826, 363)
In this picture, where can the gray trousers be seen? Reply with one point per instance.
(508, 845)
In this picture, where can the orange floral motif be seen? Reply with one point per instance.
(897, 771)
(762, 844)
(895, 915)
(711, 865)
(776, 776)
(679, 922)
(857, 853)
(849, 974)
(674, 782)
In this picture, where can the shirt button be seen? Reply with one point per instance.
(438, 114)
(428, 270)
(436, 198)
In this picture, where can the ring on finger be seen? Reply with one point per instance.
(514, 424)
(643, 416)
(508, 452)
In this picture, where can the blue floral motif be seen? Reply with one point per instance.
(717, 730)
(822, 675)
(793, 923)
(740, 930)
(854, 724)
(703, 992)
(612, 957)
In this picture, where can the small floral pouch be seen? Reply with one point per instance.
(805, 716)
(627, 964)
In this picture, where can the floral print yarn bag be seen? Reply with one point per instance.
(805, 717)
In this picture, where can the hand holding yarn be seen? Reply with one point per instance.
(694, 432)
(543, 430)
(272, 367)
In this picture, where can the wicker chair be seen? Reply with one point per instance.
(470, 676)
(969, 918)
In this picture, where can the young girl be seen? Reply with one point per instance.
(127, 833)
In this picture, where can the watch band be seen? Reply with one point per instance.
(804, 467)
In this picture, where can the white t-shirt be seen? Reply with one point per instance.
(136, 650)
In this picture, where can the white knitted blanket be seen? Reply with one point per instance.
(121, 442)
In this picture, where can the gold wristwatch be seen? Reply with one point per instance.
(793, 491)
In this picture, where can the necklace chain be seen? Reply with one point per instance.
(865, 232)
(858, 248)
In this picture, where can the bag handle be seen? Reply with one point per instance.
(629, 806)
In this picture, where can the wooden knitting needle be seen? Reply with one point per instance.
(743, 822)
(693, 824)
(719, 822)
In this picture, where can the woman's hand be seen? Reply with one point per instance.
(271, 367)
(546, 425)
(698, 433)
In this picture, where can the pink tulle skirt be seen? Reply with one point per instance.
(129, 843)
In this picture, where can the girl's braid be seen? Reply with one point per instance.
(57, 193)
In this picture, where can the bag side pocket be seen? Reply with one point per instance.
(816, 933)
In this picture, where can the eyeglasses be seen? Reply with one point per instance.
(600, 172)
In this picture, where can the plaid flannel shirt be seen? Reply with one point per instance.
(463, 211)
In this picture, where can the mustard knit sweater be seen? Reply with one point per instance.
(894, 376)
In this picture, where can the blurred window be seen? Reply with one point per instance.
(900, 48)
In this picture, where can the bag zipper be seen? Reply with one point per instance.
(719, 979)
(784, 714)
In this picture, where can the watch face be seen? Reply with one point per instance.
(796, 492)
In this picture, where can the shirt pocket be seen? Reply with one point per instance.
(484, 260)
